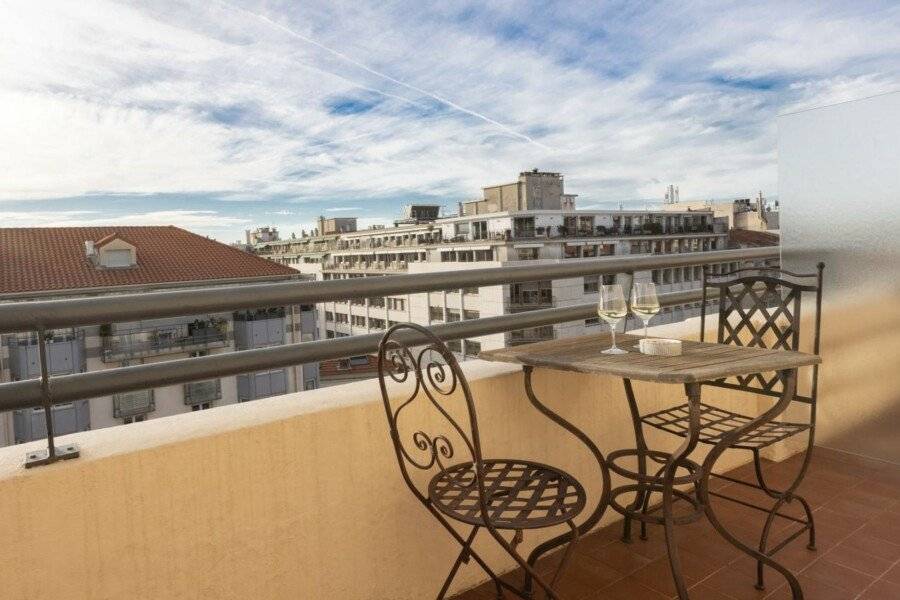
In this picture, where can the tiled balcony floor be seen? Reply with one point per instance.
(856, 502)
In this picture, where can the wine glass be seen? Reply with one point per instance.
(644, 302)
(612, 309)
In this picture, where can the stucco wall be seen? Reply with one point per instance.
(300, 496)
(292, 497)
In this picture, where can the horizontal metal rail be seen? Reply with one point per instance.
(80, 386)
(49, 314)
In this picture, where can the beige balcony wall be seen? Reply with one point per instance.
(291, 497)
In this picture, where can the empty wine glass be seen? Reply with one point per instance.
(644, 302)
(612, 309)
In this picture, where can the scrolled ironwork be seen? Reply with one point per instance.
(431, 371)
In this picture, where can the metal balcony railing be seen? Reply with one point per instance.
(42, 316)
(181, 337)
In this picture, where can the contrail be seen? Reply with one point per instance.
(384, 76)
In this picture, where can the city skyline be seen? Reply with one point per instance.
(225, 116)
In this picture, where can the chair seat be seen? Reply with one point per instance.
(716, 422)
(523, 494)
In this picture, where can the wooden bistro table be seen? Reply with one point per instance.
(698, 363)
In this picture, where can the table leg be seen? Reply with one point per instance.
(603, 501)
(692, 391)
(789, 379)
(641, 498)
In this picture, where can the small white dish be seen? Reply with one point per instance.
(660, 347)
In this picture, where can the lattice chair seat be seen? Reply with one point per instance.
(716, 422)
(522, 494)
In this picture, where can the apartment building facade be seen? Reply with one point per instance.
(514, 232)
(46, 263)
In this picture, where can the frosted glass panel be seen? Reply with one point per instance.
(839, 186)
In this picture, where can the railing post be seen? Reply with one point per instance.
(52, 453)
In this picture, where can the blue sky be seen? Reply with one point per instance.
(223, 115)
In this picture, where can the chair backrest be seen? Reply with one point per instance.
(760, 307)
(413, 356)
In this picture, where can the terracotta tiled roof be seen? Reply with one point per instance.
(53, 258)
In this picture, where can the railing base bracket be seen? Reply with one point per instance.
(39, 458)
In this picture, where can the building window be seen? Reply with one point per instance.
(261, 385)
(591, 284)
(329, 316)
(132, 404)
(359, 321)
(531, 293)
(202, 406)
(435, 313)
(593, 321)
(468, 315)
(396, 303)
(471, 291)
(376, 302)
(523, 227)
(472, 348)
(452, 315)
(570, 251)
(134, 419)
(455, 346)
(375, 323)
(310, 384)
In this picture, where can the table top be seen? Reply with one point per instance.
(699, 361)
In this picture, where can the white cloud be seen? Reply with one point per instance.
(192, 219)
(352, 101)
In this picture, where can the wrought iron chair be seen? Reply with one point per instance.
(761, 310)
(499, 495)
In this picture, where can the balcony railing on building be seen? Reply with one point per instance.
(126, 343)
(259, 328)
(65, 354)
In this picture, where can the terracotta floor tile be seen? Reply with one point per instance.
(702, 591)
(631, 589)
(882, 590)
(893, 575)
(734, 583)
(813, 589)
(857, 513)
(858, 560)
(837, 575)
(620, 557)
(873, 545)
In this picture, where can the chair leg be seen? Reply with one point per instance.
(567, 553)
(462, 558)
(781, 497)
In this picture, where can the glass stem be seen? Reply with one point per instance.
(646, 323)
(612, 328)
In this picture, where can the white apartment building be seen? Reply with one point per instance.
(47, 263)
(531, 221)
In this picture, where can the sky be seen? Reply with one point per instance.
(220, 116)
